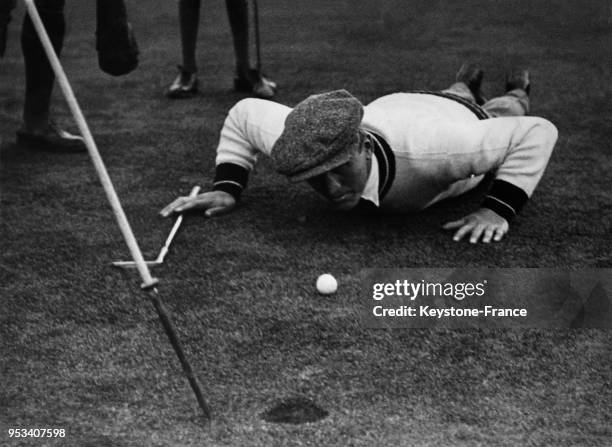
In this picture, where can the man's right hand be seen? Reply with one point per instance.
(213, 203)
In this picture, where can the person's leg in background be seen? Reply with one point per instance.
(186, 83)
(38, 131)
(6, 7)
(247, 79)
(189, 16)
(238, 16)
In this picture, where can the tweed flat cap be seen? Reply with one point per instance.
(320, 134)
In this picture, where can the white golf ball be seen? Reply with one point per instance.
(326, 284)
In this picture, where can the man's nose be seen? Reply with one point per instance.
(332, 183)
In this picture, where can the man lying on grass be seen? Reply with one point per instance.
(401, 153)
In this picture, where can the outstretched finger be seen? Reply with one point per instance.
(499, 234)
(172, 207)
(463, 231)
(476, 233)
(488, 234)
(193, 203)
(454, 224)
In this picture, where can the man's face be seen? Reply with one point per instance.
(343, 185)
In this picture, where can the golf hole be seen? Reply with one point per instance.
(295, 410)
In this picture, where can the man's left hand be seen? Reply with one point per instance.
(483, 223)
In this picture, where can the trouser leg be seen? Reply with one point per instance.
(462, 90)
(38, 72)
(238, 14)
(513, 103)
(189, 18)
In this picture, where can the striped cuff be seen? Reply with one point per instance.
(231, 178)
(505, 199)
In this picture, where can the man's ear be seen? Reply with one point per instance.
(365, 142)
(368, 146)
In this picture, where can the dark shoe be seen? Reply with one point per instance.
(471, 75)
(256, 84)
(518, 79)
(184, 86)
(53, 139)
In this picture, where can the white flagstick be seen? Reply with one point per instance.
(148, 281)
(124, 225)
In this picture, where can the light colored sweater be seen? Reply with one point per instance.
(430, 147)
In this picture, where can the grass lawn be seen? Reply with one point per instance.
(81, 347)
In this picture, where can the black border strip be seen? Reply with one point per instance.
(505, 199)
(386, 164)
(231, 178)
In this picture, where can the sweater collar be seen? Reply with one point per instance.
(382, 171)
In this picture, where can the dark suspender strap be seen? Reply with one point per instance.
(386, 163)
(474, 108)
